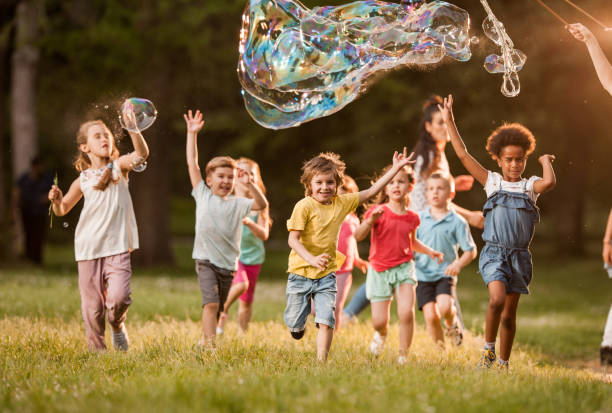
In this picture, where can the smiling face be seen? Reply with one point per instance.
(99, 142)
(437, 128)
(323, 187)
(512, 160)
(438, 193)
(221, 181)
(399, 187)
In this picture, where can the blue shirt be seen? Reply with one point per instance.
(252, 251)
(446, 235)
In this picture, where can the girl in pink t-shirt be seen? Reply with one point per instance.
(393, 243)
(347, 245)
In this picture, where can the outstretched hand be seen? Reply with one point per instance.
(446, 109)
(580, 32)
(401, 159)
(195, 123)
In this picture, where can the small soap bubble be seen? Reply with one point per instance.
(139, 167)
(105, 106)
(137, 114)
(65, 224)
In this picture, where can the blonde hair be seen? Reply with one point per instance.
(324, 162)
(450, 182)
(349, 184)
(83, 162)
(382, 197)
(219, 162)
(255, 167)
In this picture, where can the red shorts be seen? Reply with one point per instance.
(247, 273)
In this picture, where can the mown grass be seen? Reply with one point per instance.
(45, 365)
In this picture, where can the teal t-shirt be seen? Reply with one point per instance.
(446, 235)
(252, 251)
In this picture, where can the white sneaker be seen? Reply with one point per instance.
(221, 323)
(377, 344)
(121, 340)
(401, 360)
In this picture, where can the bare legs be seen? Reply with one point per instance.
(209, 324)
(405, 311)
(324, 340)
(434, 311)
(502, 309)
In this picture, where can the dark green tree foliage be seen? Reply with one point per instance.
(183, 54)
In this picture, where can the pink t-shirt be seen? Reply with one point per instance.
(347, 243)
(391, 244)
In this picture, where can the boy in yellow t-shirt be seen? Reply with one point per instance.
(313, 237)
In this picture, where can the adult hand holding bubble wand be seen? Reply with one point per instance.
(600, 61)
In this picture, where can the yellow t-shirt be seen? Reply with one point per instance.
(320, 226)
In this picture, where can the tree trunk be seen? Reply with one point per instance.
(24, 139)
(6, 241)
(23, 86)
(151, 190)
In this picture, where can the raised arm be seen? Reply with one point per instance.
(259, 199)
(399, 161)
(261, 228)
(600, 61)
(195, 123)
(472, 165)
(548, 180)
(141, 153)
(63, 204)
(320, 261)
(607, 247)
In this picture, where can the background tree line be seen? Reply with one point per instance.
(66, 61)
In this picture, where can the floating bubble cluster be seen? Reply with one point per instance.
(137, 114)
(511, 60)
(297, 64)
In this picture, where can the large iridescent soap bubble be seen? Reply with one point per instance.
(137, 114)
(511, 60)
(297, 64)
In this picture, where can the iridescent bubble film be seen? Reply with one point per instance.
(137, 114)
(511, 60)
(298, 64)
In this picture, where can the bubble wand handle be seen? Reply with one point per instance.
(551, 11)
(581, 10)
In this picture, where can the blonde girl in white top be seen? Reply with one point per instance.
(106, 232)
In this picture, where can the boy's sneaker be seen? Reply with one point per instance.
(298, 334)
(401, 360)
(221, 323)
(377, 344)
(487, 359)
(605, 356)
(121, 340)
(502, 366)
(455, 334)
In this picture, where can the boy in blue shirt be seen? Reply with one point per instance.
(446, 231)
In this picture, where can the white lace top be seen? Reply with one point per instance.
(107, 225)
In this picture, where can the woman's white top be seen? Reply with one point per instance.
(418, 199)
(107, 225)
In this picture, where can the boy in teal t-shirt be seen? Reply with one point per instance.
(446, 231)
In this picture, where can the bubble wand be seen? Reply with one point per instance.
(51, 204)
(606, 28)
(512, 60)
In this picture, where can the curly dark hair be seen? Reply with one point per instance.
(426, 145)
(510, 134)
(322, 163)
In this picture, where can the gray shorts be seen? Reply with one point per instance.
(214, 282)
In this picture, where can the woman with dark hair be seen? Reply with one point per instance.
(430, 158)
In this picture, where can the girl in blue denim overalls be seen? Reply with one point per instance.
(510, 217)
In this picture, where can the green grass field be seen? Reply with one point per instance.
(45, 365)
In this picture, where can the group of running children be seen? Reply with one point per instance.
(410, 255)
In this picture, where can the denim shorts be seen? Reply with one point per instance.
(300, 290)
(512, 266)
(380, 285)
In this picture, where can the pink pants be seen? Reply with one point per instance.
(247, 273)
(104, 284)
(344, 280)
